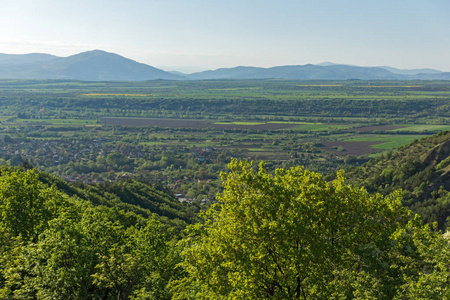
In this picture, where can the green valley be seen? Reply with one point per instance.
(224, 189)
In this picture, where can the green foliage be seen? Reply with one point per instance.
(58, 247)
(419, 169)
(100, 132)
(133, 197)
(26, 207)
(116, 159)
(425, 254)
(292, 235)
(286, 235)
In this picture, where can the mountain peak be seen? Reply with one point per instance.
(326, 64)
(96, 53)
(99, 52)
(93, 65)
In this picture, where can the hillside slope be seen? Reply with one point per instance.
(21, 59)
(421, 169)
(132, 196)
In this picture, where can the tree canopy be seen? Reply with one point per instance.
(293, 235)
(53, 246)
(283, 235)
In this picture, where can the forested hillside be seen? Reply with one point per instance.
(131, 195)
(421, 169)
(283, 235)
(56, 246)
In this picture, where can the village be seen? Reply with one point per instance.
(101, 160)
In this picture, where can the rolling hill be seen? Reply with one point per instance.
(421, 170)
(324, 71)
(311, 72)
(93, 65)
(98, 65)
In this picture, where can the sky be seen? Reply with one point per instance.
(195, 35)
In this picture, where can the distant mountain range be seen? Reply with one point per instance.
(93, 65)
(99, 65)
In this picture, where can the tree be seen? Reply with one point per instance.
(430, 277)
(25, 204)
(116, 159)
(140, 265)
(292, 235)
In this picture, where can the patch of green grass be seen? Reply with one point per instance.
(46, 138)
(4, 118)
(288, 122)
(320, 127)
(376, 155)
(153, 143)
(423, 128)
(240, 123)
(256, 149)
(387, 141)
(238, 89)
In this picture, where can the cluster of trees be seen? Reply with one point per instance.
(174, 107)
(211, 99)
(283, 235)
(89, 161)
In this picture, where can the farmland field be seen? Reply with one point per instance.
(183, 133)
(422, 128)
(386, 141)
(181, 123)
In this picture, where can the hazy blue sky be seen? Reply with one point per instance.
(211, 34)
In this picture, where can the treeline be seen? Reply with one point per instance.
(236, 98)
(186, 107)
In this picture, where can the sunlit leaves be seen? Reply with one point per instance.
(25, 205)
(288, 235)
